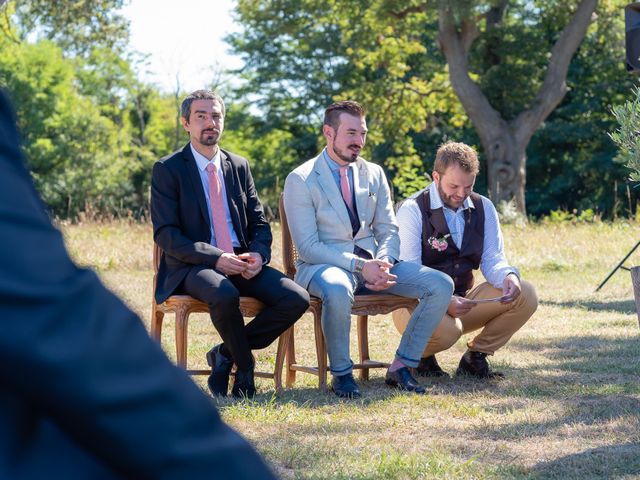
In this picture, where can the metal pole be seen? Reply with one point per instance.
(618, 266)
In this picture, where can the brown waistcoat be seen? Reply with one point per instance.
(458, 264)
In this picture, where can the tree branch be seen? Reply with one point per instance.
(456, 49)
(554, 87)
(403, 13)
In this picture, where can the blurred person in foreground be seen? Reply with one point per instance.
(452, 229)
(84, 391)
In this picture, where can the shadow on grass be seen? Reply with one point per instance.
(618, 306)
(614, 461)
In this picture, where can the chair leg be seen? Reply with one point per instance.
(156, 322)
(363, 344)
(182, 319)
(283, 345)
(321, 352)
(291, 357)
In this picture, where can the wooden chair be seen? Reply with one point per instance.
(363, 306)
(184, 305)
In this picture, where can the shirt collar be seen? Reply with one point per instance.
(332, 164)
(436, 202)
(203, 161)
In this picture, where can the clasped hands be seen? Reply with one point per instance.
(246, 264)
(377, 275)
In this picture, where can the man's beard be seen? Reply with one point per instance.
(209, 137)
(346, 156)
(448, 200)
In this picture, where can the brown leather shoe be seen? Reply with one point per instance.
(429, 367)
(476, 365)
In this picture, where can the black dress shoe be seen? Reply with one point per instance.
(244, 385)
(220, 369)
(403, 380)
(429, 367)
(476, 365)
(345, 386)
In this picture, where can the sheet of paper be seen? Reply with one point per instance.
(487, 300)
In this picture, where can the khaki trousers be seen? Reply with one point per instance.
(498, 321)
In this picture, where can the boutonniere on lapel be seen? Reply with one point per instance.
(439, 243)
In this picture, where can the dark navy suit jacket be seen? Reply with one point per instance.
(181, 225)
(84, 391)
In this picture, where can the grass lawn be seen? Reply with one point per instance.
(568, 408)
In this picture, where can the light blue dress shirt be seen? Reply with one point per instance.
(335, 171)
(202, 163)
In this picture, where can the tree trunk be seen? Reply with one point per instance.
(506, 161)
(505, 142)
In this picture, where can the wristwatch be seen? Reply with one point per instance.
(359, 265)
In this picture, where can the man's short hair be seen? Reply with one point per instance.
(456, 153)
(333, 112)
(185, 109)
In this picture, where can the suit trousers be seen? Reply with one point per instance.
(498, 321)
(285, 303)
(336, 286)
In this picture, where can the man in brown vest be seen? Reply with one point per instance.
(450, 228)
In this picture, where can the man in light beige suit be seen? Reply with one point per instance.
(342, 223)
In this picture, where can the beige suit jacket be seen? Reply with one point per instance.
(319, 221)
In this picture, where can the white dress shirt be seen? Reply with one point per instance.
(493, 264)
(202, 163)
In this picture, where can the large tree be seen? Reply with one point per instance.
(505, 139)
(506, 61)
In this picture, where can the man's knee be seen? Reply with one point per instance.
(528, 300)
(336, 293)
(448, 331)
(225, 296)
(440, 284)
(296, 299)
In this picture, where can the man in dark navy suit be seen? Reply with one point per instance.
(216, 244)
(84, 392)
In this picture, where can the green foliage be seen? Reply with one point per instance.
(268, 150)
(563, 216)
(76, 26)
(90, 130)
(300, 56)
(571, 160)
(627, 135)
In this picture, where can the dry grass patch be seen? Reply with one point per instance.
(569, 407)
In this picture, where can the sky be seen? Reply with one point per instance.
(183, 38)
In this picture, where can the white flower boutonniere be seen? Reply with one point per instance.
(439, 243)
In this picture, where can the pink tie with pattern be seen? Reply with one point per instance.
(220, 228)
(344, 187)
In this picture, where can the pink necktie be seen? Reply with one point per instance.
(220, 228)
(344, 187)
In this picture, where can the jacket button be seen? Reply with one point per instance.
(457, 265)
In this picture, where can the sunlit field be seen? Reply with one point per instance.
(568, 408)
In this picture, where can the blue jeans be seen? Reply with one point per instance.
(336, 288)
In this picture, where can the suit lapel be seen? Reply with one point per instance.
(196, 181)
(361, 187)
(227, 174)
(328, 185)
